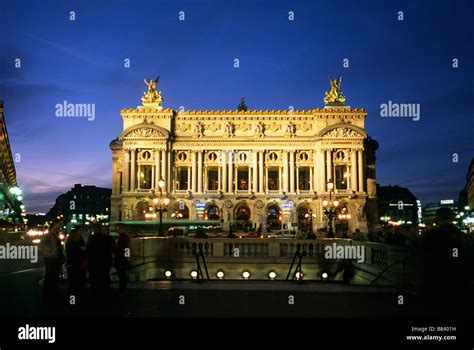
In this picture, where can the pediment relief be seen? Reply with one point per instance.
(145, 133)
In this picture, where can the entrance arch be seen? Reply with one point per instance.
(180, 211)
(141, 208)
(242, 217)
(274, 218)
(304, 214)
(212, 212)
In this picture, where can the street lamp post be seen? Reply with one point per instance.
(160, 206)
(330, 208)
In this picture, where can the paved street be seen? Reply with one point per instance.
(21, 297)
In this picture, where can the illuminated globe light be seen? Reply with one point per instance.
(466, 207)
(272, 275)
(194, 274)
(20, 198)
(299, 275)
(220, 274)
(168, 274)
(15, 190)
(324, 275)
(246, 275)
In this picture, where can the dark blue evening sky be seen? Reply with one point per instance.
(282, 63)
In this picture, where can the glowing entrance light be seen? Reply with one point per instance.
(246, 275)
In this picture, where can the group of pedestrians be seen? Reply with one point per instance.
(94, 258)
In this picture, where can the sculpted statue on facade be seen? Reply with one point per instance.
(334, 97)
(152, 96)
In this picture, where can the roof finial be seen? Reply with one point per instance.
(242, 106)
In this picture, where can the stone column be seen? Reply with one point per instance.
(311, 188)
(126, 172)
(328, 167)
(231, 172)
(298, 180)
(260, 172)
(254, 172)
(361, 170)
(193, 172)
(249, 178)
(163, 165)
(292, 171)
(224, 171)
(199, 182)
(152, 177)
(353, 170)
(157, 168)
(285, 172)
(280, 185)
(189, 178)
(139, 177)
(133, 172)
(322, 171)
(316, 180)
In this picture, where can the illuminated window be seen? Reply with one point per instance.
(182, 183)
(303, 178)
(213, 179)
(242, 179)
(273, 180)
(145, 176)
(342, 174)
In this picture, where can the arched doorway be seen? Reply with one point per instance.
(141, 209)
(305, 219)
(212, 212)
(274, 217)
(242, 217)
(180, 211)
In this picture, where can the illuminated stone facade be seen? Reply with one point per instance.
(267, 168)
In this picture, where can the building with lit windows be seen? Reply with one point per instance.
(11, 206)
(82, 205)
(259, 168)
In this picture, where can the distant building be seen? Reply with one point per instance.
(397, 205)
(11, 206)
(35, 220)
(82, 205)
(429, 211)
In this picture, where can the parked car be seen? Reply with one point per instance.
(279, 234)
(178, 231)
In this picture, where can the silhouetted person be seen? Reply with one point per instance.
(445, 275)
(122, 255)
(231, 233)
(359, 236)
(76, 262)
(100, 247)
(200, 233)
(53, 261)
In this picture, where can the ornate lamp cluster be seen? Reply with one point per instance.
(160, 205)
(330, 208)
